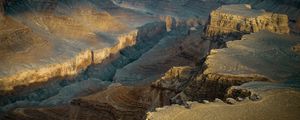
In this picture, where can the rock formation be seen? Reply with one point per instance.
(276, 104)
(115, 102)
(68, 60)
(249, 59)
(236, 20)
(170, 51)
(175, 79)
(119, 59)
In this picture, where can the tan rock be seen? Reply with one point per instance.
(240, 19)
(276, 104)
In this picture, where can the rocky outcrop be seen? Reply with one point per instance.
(80, 61)
(175, 49)
(118, 102)
(175, 79)
(246, 60)
(236, 20)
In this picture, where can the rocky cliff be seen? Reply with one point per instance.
(80, 61)
(236, 20)
(250, 59)
(116, 102)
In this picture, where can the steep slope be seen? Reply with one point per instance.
(115, 102)
(176, 49)
(262, 56)
(80, 33)
(236, 20)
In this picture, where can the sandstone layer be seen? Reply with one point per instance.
(79, 39)
(114, 103)
(236, 20)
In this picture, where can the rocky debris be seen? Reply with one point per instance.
(239, 99)
(217, 100)
(238, 93)
(231, 101)
(296, 48)
(236, 20)
(255, 97)
(205, 101)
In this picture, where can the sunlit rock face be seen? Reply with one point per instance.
(258, 55)
(119, 59)
(47, 39)
(262, 56)
(236, 20)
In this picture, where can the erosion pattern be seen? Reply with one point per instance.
(250, 59)
(116, 102)
(124, 58)
(237, 20)
(78, 39)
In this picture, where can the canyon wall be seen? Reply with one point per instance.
(115, 102)
(250, 59)
(236, 20)
(82, 60)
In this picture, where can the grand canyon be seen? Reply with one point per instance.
(149, 59)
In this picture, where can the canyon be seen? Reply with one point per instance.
(133, 60)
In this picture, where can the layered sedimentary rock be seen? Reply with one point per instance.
(79, 39)
(262, 56)
(112, 104)
(276, 104)
(236, 20)
(175, 79)
(116, 102)
(176, 49)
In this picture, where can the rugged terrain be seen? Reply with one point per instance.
(122, 59)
